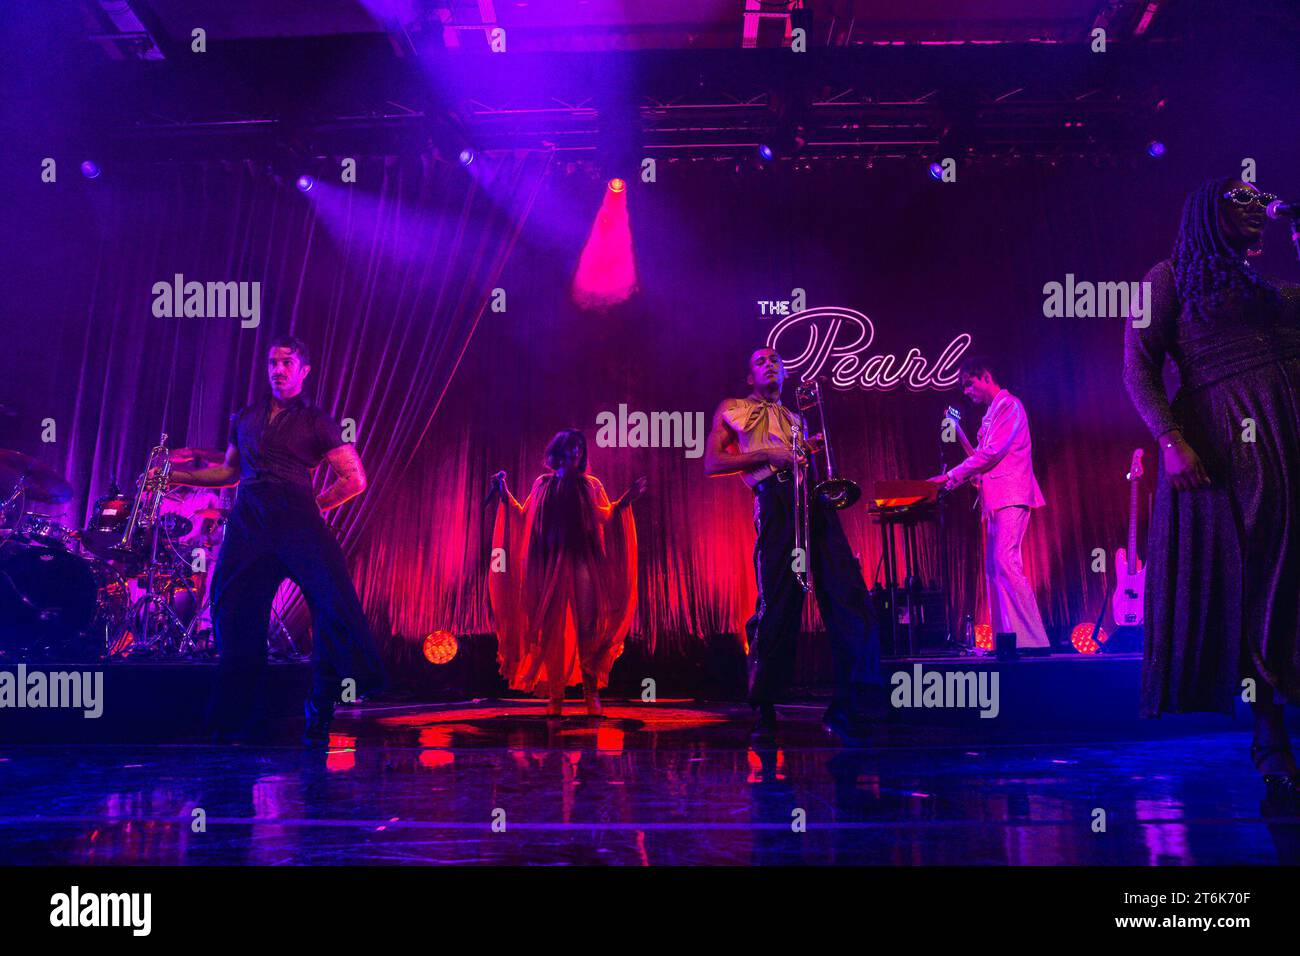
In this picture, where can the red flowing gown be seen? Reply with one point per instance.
(533, 602)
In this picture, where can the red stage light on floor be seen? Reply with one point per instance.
(433, 759)
(440, 647)
(617, 185)
(606, 273)
(984, 637)
(1082, 638)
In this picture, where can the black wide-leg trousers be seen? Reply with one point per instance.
(275, 532)
(841, 594)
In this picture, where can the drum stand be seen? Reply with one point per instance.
(174, 636)
(15, 505)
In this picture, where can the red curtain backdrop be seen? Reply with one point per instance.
(709, 246)
(391, 284)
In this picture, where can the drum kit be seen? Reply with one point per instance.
(133, 583)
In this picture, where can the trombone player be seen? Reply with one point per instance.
(755, 438)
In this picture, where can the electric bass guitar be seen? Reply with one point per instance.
(1130, 573)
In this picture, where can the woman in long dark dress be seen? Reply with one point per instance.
(1223, 598)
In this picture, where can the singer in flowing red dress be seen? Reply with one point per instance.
(564, 601)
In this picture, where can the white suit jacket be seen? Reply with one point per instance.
(1003, 458)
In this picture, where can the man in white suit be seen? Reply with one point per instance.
(1002, 463)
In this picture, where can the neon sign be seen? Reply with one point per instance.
(834, 340)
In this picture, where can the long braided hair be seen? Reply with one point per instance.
(1208, 273)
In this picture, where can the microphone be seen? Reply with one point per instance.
(1289, 211)
(1280, 209)
(494, 485)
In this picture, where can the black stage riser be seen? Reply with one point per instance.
(1056, 698)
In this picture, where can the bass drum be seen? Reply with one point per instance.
(49, 601)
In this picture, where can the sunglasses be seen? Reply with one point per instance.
(1244, 197)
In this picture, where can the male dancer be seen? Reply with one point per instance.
(752, 436)
(1002, 459)
(274, 531)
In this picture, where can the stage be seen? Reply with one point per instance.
(879, 409)
(1063, 697)
(676, 782)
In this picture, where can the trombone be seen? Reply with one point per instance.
(813, 451)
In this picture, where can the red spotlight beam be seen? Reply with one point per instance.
(606, 273)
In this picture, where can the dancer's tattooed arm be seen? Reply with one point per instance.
(349, 477)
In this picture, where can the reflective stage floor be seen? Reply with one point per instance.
(668, 783)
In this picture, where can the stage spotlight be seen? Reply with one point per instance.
(1084, 642)
(305, 183)
(90, 169)
(466, 157)
(606, 273)
(617, 185)
(440, 647)
(984, 637)
(936, 171)
(1155, 149)
(765, 152)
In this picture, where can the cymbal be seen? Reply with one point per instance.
(206, 457)
(40, 482)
